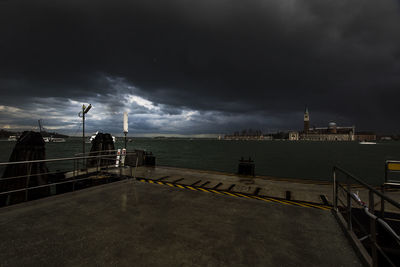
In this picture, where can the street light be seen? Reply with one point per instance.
(82, 114)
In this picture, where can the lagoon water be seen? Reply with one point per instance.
(288, 159)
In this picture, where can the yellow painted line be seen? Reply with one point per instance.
(230, 194)
(216, 192)
(266, 199)
(191, 188)
(294, 203)
(260, 198)
(305, 205)
(243, 195)
(288, 202)
(324, 207)
(279, 201)
(203, 190)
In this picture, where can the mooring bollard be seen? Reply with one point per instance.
(149, 159)
(246, 167)
(30, 146)
(103, 144)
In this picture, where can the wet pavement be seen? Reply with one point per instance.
(129, 223)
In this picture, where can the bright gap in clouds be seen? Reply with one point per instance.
(141, 102)
(146, 118)
(61, 115)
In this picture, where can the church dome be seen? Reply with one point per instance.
(332, 125)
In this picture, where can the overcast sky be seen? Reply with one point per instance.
(199, 67)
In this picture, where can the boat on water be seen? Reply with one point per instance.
(94, 136)
(12, 138)
(52, 139)
(367, 143)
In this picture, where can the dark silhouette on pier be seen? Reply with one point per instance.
(30, 146)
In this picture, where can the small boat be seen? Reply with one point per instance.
(367, 143)
(52, 139)
(57, 140)
(13, 138)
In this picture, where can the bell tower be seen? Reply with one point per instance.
(306, 121)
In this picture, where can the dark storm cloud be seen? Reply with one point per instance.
(238, 64)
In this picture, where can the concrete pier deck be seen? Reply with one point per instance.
(304, 190)
(129, 223)
(300, 189)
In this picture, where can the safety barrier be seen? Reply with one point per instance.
(392, 167)
(356, 214)
(80, 172)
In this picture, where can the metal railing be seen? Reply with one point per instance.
(392, 167)
(99, 163)
(345, 209)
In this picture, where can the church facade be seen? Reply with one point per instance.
(330, 133)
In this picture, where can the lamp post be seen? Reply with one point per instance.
(125, 125)
(82, 114)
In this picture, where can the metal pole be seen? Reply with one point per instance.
(386, 174)
(383, 191)
(125, 138)
(373, 229)
(27, 180)
(137, 160)
(383, 202)
(349, 223)
(83, 130)
(334, 190)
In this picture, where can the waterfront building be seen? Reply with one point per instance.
(248, 134)
(247, 137)
(330, 133)
(365, 136)
(293, 136)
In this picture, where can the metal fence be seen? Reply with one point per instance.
(392, 173)
(82, 168)
(371, 228)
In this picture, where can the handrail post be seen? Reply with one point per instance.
(373, 230)
(76, 172)
(349, 222)
(383, 202)
(334, 190)
(386, 168)
(97, 168)
(28, 177)
(86, 166)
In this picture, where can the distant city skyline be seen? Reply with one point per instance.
(208, 67)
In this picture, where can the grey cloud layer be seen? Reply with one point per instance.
(259, 60)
